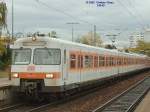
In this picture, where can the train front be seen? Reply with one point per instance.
(36, 64)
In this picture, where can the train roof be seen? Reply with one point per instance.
(65, 42)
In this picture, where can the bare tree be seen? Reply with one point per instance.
(89, 39)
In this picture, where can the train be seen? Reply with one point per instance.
(44, 65)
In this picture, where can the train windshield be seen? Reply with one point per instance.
(21, 56)
(47, 56)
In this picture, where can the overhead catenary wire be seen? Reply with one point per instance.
(68, 14)
(63, 12)
(130, 12)
(136, 11)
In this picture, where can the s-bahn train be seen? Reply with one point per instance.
(46, 65)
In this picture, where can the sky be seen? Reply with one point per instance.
(120, 17)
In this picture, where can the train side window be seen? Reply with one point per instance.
(120, 61)
(101, 61)
(112, 62)
(127, 61)
(107, 61)
(124, 61)
(80, 61)
(95, 61)
(91, 61)
(72, 61)
(86, 61)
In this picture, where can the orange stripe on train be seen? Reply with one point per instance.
(38, 75)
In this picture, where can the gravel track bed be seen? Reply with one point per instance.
(91, 101)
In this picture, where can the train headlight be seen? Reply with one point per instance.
(15, 75)
(51, 76)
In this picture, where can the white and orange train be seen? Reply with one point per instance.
(48, 65)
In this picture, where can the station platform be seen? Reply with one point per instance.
(5, 82)
(144, 106)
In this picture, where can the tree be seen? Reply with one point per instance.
(142, 47)
(2, 52)
(2, 49)
(108, 46)
(3, 16)
(89, 39)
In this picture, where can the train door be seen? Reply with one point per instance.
(65, 67)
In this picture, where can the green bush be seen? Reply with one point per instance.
(5, 59)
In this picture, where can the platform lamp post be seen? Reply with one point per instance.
(72, 23)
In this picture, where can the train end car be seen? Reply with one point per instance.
(43, 65)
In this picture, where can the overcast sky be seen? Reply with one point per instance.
(125, 17)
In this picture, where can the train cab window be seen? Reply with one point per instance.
(95, 61)
(21, 56)
(101, 61)
(47, 56)
(72, 61)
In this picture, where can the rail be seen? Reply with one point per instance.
(128, 100)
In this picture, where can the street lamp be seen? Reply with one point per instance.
(72, 23)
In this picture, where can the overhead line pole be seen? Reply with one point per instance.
(12, 20)
(94, 35)
(72, 23)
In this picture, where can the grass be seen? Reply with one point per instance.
(3, 74)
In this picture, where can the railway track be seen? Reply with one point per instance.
(22, 107)
(10, 107)
(42, 107)
(128, 100)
